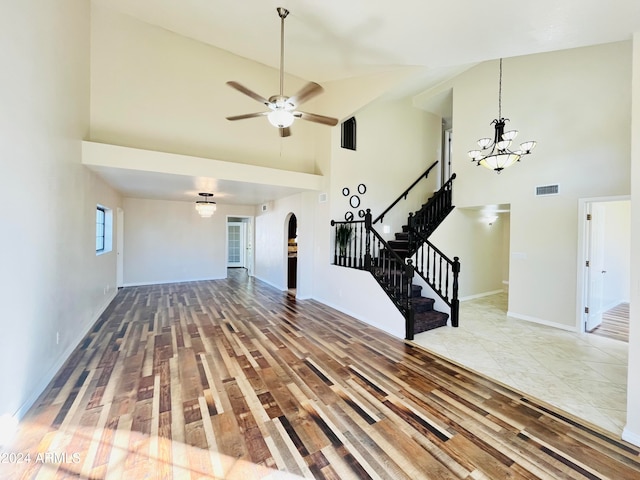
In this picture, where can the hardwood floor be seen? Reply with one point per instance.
(234, 379)
(615, 323)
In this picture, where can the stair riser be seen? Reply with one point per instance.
(428, 321)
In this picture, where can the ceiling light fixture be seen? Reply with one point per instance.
(204, 207)
(496, 154)
(280, 117)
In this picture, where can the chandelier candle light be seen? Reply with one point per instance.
(496, 154)
(204, 207)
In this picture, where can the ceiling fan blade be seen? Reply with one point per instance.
(247, 115)
(249, 93)
(306, 93)
(314, 117)
(285, 132)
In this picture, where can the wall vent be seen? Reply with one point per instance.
(545, 190)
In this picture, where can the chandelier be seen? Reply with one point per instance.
(496, 153)
(204, 207)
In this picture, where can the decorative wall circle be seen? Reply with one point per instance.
(348, 216)
(345, 191)
(361, 213)
(354, 201)
(362, 188)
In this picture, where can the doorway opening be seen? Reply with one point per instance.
(292, 252)
(240, 243)
(603, 267)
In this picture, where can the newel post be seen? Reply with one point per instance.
(335, 242)
(409, 317)
(455, 303)
(367, 243)
(410, 224)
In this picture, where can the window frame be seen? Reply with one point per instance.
(103, 236)
(348, 134)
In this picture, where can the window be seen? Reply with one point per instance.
(349, 133)
(100, 229)
(104, 229)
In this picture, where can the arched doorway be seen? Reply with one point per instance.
(292, 252)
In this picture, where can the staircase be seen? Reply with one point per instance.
(394, 263)
(424, 316)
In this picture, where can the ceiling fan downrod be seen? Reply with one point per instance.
(282, 12)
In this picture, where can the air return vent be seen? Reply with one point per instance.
(545, 190)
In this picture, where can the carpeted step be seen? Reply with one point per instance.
(402, 236)
(398, 244)
(422, 304)
(401, 252)
(429, 320)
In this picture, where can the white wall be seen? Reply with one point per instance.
(631, 431)
(580, 117)
(52, 281)
(395, 144)
(617, 250)
(465, 233)
(167, 241)
(271, 242)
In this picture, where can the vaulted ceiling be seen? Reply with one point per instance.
(337, 39)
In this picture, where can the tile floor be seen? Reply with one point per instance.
(583, 374)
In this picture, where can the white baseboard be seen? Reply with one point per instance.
(631, 437)
(527, 318)
(480, 295)
(360, 318)
(164, 282)
(59, 363)
(279, 287)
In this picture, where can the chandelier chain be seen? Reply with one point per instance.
(500, 93)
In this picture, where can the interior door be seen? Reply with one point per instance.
(595, 269)
(249, 247)
(235, 244)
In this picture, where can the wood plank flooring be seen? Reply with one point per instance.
(232, 379)
(615, 323)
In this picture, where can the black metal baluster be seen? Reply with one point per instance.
(440, 276)
(360, 252)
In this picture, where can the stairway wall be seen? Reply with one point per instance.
(388, 133)
(395, 144)
(480, 246)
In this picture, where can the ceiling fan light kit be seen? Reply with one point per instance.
(282, 109)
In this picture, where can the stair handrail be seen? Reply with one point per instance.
(436, 208)
(404, 194)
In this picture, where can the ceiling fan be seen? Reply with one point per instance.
(282, 109)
